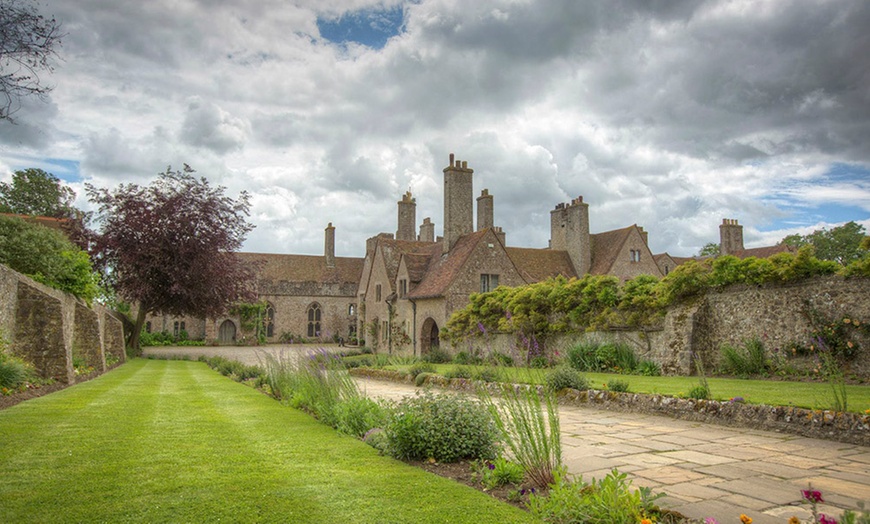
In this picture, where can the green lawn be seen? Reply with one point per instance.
(173, 441)
(813, 395)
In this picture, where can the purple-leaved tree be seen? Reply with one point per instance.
(170, 247)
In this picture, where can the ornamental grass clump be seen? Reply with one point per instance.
(441, 427)
(564, 377)
(528, 426)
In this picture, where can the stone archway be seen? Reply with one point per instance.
(227, 332)
(429, 336)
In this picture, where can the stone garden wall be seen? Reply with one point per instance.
(776, 314)
(49, 328)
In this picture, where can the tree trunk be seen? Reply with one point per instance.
(137, 329)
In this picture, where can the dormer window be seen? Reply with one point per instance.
(403, 288)
(635, 255)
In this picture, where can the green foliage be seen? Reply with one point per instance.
(842, 244)
(488, 374)
(593, 355)
(711, 249)
(497, 358)
(528, 426)
(745, 361)
(35, 192)
(648, 368)
(13, 372)
(700, 392)
(358, 415)
(617, 385)
(608, 501)
(436, 355)
(465, 358)
(565, 377)
(443, 427)
(420, 367)
(457, 372)
(838, 337)
(48, 257)
(235, 369)
(497, 473)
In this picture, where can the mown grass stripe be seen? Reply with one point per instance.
(172, 441)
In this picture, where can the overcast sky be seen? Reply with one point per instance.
(672, 115)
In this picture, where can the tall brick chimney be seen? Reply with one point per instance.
(427, 231)
(329, 245)
(407, 218)
(730, 237)
(458, 202)
(484, 210)
(569, 231)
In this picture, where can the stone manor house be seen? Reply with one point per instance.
(399, 296)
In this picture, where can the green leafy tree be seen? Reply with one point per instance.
(170, 246)
(35, 192)
(47, 256)
(841, 244)
(710, 249)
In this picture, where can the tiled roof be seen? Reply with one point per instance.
(763, 252)
(443, 270)
(536, 265)
(392, 251)
(418, 263)
(49, 222)
(606, 247)
(305, 268)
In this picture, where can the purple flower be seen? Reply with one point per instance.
(481, 328)
(491, 466)
(710, 520)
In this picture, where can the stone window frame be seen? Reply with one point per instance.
(403, 288)
(313, 325)
(488, 282)
(269, 321)
(377, 292)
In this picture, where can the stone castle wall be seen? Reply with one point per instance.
(48, 328)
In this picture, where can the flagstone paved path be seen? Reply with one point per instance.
(706, 470)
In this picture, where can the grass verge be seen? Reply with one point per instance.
(811, 395)
(172, 441)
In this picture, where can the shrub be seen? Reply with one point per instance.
(377, 438)
(700, 392)
(420, 379)
(443, 427)
(436, 355)
(584, 356)
(500, 359)
(564, 377)
(13, 372)
(466, 358)
(648, 368)
(420, 367)
(357, 415)
(618, 357)
(497, 473)
(488, 375)
(747, 361)
(539, 362)
(617, 385)
(458, 372)
(608, 501)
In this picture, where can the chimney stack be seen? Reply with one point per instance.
(329, 248)
(730, 237)
(484, 210)
(458, 202)
(407, 217)
(427, 231)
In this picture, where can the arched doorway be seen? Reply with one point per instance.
(227, 332)
(429, 336)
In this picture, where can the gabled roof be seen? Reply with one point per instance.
(418, 263)
(443, 269)
(535, 265)
(606, 247)
(305, 268)
(392, 251)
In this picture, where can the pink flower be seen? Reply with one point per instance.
(824, 519)
(812, 495)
